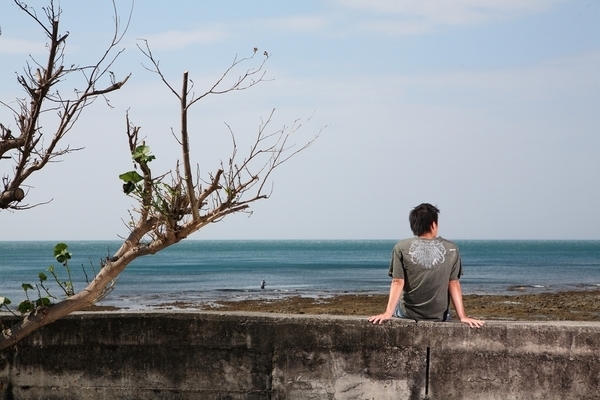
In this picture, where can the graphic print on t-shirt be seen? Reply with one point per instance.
(427, 253)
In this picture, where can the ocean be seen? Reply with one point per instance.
(206, 271)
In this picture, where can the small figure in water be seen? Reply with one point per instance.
(262, 284)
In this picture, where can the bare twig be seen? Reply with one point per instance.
(31, 147)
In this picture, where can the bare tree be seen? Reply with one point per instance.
(176, 204)
(27, 146)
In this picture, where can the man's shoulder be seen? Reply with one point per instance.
(449, 242)
(409, 242)
(404, 243)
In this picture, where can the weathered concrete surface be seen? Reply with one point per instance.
(202, 355)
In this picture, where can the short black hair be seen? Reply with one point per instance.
(422, 217)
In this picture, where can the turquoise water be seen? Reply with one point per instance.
(211, 270)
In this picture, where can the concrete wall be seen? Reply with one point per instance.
(201, 355)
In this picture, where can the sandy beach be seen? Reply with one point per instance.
(581, 305)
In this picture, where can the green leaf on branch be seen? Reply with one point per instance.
(61, 253)
(131, 176)
(141, 154)
(4, 301)
(43, 302)
(26, 286)
(25, 306)
(42, 277)
(128, 187)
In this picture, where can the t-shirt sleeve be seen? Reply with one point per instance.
(456, 272)
(396, 270)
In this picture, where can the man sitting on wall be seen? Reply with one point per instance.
(425, 270)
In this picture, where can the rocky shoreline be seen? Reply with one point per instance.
(581, 305)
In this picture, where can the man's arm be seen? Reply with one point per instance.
(456, 296)
(395, 292)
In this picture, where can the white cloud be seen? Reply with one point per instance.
(456, 10)
(395, 28)
(176, 40)
(417, 16)
(296, 23)
(575, 74)
(553, 80)
(17, 46)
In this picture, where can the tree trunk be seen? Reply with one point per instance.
(85, 298)
(9, 196)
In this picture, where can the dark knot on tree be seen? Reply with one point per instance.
(11, 196)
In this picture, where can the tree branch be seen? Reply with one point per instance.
(168, 212)
(27, 146)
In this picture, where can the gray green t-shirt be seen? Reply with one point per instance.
(426, 265)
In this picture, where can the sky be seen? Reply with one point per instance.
(489, 109)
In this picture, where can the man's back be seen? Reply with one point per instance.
(426, 266)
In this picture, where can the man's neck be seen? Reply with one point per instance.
(429, 235)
